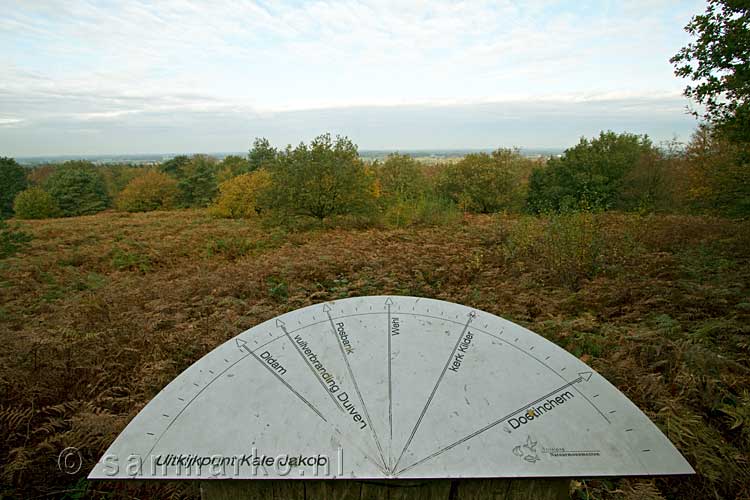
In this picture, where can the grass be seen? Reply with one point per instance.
(98, 313)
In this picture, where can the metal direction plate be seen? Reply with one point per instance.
(389, 387)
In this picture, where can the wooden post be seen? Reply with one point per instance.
(427, 489)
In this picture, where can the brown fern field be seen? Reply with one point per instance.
(98, 313)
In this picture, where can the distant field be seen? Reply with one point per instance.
(100, 312)
(424, 155)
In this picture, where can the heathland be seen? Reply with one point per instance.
(633, 257)
(100, 312)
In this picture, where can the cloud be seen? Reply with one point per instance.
(542, 123)
(120, 63)
(7, 122)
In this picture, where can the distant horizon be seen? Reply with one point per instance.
(235, 152)
(53, 158)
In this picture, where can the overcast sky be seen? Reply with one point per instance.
(86, 77)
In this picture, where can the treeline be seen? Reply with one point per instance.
(326, 178)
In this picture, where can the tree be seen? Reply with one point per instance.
(716, 181)
(37, 176)
(651, 183)
(35, 203)
(175, 166)
(197, 181)
(117, 176)
(718, 62)
(149, 191)
(262, 154)
(485, 183)
(232, 166)
(239, 197)
(320, 180)
(12, 182)
(589, 175)
(78, 189)
(399, 178)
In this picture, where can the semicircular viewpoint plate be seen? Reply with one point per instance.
(384, 387)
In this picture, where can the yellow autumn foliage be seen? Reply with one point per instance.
(149, 191)
(239, 196)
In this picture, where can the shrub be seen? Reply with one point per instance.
(566, 248)
(485, 183)
(149, 191)
(35, 203)
(323, 179)
(239, 197)
(78, 189)
(235, 247)
(12, 182)
(428, 210)
(399, 178)
(129, 260)
(589, 175)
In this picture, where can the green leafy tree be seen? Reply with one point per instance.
(117, 176)
(399, 177)
(175, 166)
(262, 154)
(406, 196)
(590, 175)
(12, 182)
(231, 167)
(320, 180)
(35, 203)
(78, 189)
(718, 63)
(149, 191)
(486, 183)
(198, 182)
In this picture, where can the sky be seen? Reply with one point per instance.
(111, 77)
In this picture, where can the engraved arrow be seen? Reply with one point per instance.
(242, 345)
(471, 316)
(327, 310)
(280, 324)
(388, 304)
(582, 377)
